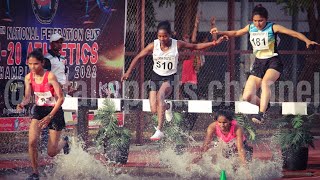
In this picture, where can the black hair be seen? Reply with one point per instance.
(260, 10)
(37, 53)
(228, 114)
(165, 25)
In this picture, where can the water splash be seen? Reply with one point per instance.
(213, 162)
(79, 164)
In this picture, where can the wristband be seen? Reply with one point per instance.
(50, 116)
(214, 43)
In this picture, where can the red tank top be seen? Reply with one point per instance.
(188, 74)
(231, 135)
(44, 92)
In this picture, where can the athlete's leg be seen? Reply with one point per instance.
(153, 101)
(34, 135)
(268, 79)
(55, 144)
(164, 91)
(250, 91)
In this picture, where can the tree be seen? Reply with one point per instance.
(132, 14)
(184, 15)
(312, 7)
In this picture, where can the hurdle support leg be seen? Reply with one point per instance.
(139, 128)
(83, 125)
(84, 105)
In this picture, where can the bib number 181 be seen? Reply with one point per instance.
(259, 41)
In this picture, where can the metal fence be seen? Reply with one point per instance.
(228, 63)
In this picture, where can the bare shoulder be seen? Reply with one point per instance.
(51, 76)
(278, 28)
(239, 129)
(181, 44)
(212, 126)
(27, 77)
(148, 48)
(245, 29)
(150, 45)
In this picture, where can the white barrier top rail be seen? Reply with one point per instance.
(194, 106)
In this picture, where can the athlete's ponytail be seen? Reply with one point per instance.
(260, 10)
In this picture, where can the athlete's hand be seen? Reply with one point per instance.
(214, 31)
(188, 168)
(125, 76)
(20, 107)
(311, 43)
(197, 159)
(222, 38)
(43, 123)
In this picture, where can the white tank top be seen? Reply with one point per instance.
(58, 66)
(165, 63)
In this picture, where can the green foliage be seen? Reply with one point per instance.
(294, 6)
(174, 130)
(109, 131)
(247, 126)
(106, 113)
(294, 132)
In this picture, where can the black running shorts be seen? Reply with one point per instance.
(157, 80)
(57, 122)
(260, 66)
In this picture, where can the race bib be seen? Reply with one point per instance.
(164, 63)
(259, 40)
(44, 98)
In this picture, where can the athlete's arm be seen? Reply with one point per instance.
(27, 93)
(199, 46)
(241, 150)
(58, 92)
(144, 52)
(234, 33)
(280, 29)
(210, 132)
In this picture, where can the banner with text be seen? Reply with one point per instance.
(94, 35)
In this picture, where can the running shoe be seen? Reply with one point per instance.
(259, 118)
(168, 112)
(157, 135)
(66, 147)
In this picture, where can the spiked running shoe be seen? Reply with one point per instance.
(259, 118)
(168, 112)
(157, 135)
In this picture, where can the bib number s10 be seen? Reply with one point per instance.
(164, 65)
